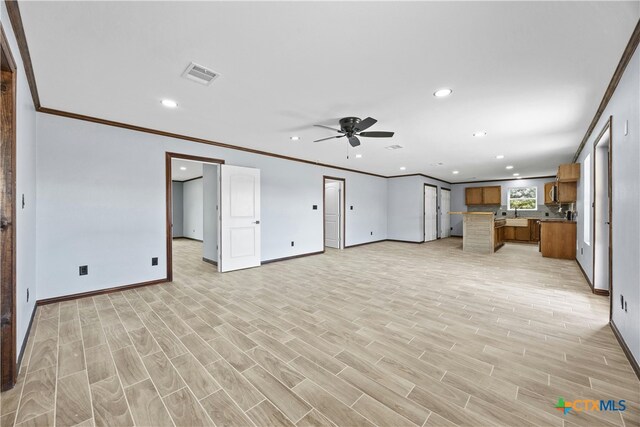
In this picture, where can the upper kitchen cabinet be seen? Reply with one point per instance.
(483, 195)
(492, 195)
(569, 172)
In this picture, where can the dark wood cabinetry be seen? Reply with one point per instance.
(483, 195)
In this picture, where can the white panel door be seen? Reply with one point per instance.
(445, 208)
(240, 217)
(430, 214)
(332, 209)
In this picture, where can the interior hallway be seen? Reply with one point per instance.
(386, 334)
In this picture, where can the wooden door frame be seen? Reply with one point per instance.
(440, 205)
(607, 127)
(343, 216)
(424, 213)
(169, 203)
(8, 344)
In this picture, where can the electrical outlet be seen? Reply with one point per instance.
(351, 208)
(154, 261)
(27, 294)
(292, 243)
(84, 270)
(581, 251)
(504, 214)
(546, 214)
(315, 207)
(372, 233)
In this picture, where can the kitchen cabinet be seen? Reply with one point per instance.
(498, 236)
(549, 189)
(558, 239)
(534, 229)
(483, 195)
(569, 172)
(492, 195)
(522, 234)
(509, 233)
(567, 192)
(473, 196)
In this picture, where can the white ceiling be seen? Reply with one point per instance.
(191, 169)
(530, 74)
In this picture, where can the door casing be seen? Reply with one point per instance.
(343, 219)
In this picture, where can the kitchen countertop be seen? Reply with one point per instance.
(472, 213)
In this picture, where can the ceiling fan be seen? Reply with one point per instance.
(353, 127)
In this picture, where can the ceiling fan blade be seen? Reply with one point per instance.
(365, 124)
(331, 137)
(376, 134)
(327, 127)
(354, 141)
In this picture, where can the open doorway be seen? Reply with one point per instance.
(8, 367)
(445, 216)
(602, 224)
(192, 214)
(333, 212)
(430, 212)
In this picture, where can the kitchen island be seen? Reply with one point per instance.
(481, 232)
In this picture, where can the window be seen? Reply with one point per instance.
(586, 204)
(525, 198)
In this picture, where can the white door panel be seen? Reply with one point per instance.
(240, 217)
(445, 208)
(332, 210)
(430, 214)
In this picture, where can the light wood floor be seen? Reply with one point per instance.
(386, 334)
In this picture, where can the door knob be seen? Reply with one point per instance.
(256, 222)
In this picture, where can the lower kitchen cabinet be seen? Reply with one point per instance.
(558, 239)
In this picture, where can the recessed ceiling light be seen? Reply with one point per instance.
(519, 177)
(183, 168)
(402, 168)
(455, 172)
(500, 156)
(295, 138)
(358, 156)
(509, 167)
(516, 174)
(441, 93)
(169, 103)
(480, 134)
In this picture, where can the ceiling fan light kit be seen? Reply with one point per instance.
(352, 128)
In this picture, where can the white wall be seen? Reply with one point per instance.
(623, 106)
(25, 220)
(210, 212)
(458, 198)
(193, 208)
(177, 208)
(113, 219)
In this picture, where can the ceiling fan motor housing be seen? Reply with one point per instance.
(348, 124)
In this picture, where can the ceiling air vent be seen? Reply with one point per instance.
(394, 147)
(200, 74)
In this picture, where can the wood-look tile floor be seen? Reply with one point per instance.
(388, 334)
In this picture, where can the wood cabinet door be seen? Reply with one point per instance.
(567, 192)
(534, 230)
(509, 233)
(569, 172)
(492, 195)
(548, 193)
(522, 234)
(473, 195)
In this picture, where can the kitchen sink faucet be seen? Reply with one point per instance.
(516, 209)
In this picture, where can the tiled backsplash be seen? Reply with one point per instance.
(539, 213)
